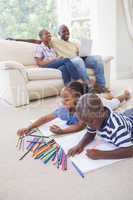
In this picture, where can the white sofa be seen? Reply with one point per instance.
(21, 80)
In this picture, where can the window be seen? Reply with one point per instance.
(24, 18)
(80, 18)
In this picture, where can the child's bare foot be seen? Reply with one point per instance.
(127, 95)
(108, 95)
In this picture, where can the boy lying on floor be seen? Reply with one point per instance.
(113, 127)
(70, 96)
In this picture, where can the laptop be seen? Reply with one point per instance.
(85, 47)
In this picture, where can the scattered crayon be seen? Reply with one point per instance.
(43, 148)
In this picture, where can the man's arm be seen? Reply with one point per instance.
(123, 152)
(26, 40)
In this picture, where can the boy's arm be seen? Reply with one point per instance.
(88, 138)
(71, 129)
(40, 61)
(123, 152)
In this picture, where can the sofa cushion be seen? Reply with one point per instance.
(43, 74)
(44, 88)
(22, 52)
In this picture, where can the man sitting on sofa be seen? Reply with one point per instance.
(66, 48)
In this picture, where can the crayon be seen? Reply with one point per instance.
(50, 156)
(78, 170)
(63, 161)
(60, 156)
(40, 136)
(42, 150)
(18, 140)
(27, 152)
(38, 148)
(56, 157)
(47, 152)
(44, 153)
(20, 144)
(34, 140)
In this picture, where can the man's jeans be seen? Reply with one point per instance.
(93, 62)
(96, 63)
(80, 65)
(68, 69)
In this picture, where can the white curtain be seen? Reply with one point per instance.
(128, 10)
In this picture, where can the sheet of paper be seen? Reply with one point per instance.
(84, 163)
(45, 128)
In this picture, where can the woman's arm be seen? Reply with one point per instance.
(123, 152)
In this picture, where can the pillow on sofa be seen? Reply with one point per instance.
(43, 74)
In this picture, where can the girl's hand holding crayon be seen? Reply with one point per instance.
(23, 131)
(75, 150)
(56, 129)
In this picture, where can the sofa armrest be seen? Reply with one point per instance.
(6, 65)
(107, 69)
(13, 87)
(108, 58)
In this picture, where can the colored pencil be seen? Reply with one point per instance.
(49, 157)
(27, 152)
(78, 170)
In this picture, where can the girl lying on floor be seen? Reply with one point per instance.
(115, 128)
(70, 96)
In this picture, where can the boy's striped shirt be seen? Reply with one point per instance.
(42, 51)
(116, 129)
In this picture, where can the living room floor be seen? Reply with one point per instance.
(31, 180)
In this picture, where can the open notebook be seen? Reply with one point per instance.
(84, 163)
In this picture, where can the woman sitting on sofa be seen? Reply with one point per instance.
(45, 56)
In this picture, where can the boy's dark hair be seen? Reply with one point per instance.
(78, 87)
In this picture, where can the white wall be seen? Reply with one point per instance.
(113, 37)
(105, 43)
(124, 51)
